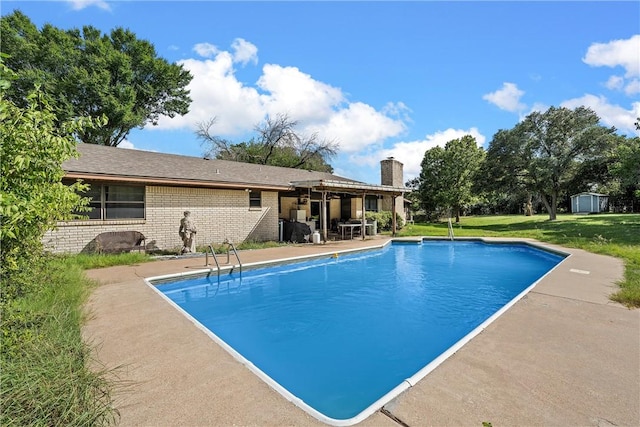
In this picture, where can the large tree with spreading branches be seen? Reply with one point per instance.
(547, 151)
(278, 143)
(89, 74)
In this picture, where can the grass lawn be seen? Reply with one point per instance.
(617, 235)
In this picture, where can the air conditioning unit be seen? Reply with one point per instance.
(299, 215)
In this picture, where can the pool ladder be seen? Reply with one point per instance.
(215, 258)
(450, 235)
(230, 246)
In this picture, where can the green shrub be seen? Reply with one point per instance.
(384, 220)
(46, 379)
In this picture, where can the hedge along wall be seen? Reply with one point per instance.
(217, 215)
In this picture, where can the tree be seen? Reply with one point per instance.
(556, 144)
(505, 172)
(88, 74)
(277, 144)
(32, 196)
(430, 182)
(448, 174)
(414, 194)
(547, 152)
(626, 170)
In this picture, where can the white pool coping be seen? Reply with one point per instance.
(406, 383)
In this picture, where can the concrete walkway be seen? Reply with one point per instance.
(563, 355)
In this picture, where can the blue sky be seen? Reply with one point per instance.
(381, 78)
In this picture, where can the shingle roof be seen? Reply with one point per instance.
(111, 163)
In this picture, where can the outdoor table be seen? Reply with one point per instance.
(350, 226)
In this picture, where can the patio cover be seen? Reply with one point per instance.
(350, 187)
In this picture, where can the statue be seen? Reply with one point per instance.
(187, 232)
(528, 208)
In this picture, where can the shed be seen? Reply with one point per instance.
(589, 203)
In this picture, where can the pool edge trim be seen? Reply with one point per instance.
(407, 383)
(258, 264)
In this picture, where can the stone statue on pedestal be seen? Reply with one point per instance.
(187, 232)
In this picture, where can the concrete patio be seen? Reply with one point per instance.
(563, 355)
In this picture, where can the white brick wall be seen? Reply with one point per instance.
(217, 214)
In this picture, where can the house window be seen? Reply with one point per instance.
(95, 195)
(371, 203)
(255, 199)
(115, 202)
(123, 202)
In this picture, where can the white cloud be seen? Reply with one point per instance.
(411, 153)
(126, 144)
(623, 53)
(359, 126)
(82, 4)
(206, 50)
(618, 53)
(291, 91)
(317, 106)
(507, 98)
(615, 83)
(610, 115)
(633, 87)
(397, 109)
(215, 92)
(535, 77)
(629, 87)
(536, 107)
(244, 52)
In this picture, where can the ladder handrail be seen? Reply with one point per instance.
(450, 230)
(214, 258)
(235, 252)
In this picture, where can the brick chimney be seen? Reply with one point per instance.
(391, 173)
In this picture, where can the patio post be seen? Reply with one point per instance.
(323, 225)
(363, 227)
(393, 215)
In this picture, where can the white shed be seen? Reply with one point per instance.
(589, 203)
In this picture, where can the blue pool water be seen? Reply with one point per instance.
(339, 333)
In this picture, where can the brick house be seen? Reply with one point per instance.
(148, 192)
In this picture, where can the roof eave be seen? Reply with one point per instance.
(349, 186)
(172, 181)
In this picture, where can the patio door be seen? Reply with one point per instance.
(316, 213)
(345, 209)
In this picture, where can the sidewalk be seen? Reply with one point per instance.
(563, 355)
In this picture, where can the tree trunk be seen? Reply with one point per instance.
(552, 205)
(547, 206)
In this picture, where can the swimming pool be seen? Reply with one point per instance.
(341, 336)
